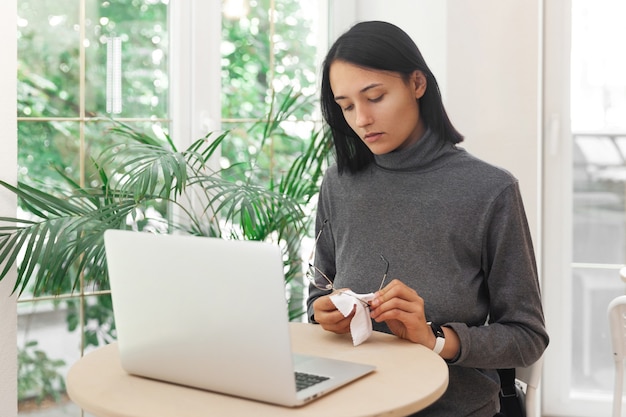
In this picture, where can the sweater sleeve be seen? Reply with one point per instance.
(515, 334)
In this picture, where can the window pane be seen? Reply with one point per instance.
(250, 63)
(46, 350)
(127, 58)
(245, 62)
(599, 184)
(247, 147)
(592, 363)
(295, 45)
(49, 342)
(48, 50)
(44, 146)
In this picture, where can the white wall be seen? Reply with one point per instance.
(494, 89)
(8, 170)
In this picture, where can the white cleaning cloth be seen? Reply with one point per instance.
(361, 323)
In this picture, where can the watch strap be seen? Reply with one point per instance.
(440, 337)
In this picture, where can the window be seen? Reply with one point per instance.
(85, 63)
(79, 63)
(585, 178)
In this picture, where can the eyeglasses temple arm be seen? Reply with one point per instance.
(385, 274)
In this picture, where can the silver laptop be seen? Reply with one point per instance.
(212, 314)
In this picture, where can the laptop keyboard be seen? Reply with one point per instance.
(304, 380)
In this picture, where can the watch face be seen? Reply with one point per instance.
(437, 330)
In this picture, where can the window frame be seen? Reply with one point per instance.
(195, 70)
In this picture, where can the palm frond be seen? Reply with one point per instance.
(124, 130)
(63, 240)
(60, 238)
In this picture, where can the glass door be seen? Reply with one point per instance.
(598, 113)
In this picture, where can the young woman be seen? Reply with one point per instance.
(450, 228)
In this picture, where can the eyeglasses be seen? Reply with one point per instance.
(313, 273)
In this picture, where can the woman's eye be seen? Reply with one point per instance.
(350, 107)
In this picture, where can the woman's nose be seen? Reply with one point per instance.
(363, 117)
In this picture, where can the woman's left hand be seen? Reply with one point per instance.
(403, 310)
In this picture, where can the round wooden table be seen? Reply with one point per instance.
(408, 378)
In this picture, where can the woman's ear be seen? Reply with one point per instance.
(419, 83)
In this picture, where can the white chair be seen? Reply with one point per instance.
(617, 324)
(530, 378)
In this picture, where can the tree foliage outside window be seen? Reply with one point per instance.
(264, 54)
(246, 50)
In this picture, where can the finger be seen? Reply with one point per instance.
(398, 305)
(393, 283)
(327, 317)
(336, 322)
(335, 315)
(341, 326)
(394, 286)
(407, 316)
(395, 290)
(324, 303)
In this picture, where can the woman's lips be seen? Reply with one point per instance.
(372, 137)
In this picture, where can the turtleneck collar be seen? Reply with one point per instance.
(419, 156)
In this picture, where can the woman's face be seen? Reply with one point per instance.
(380, 106)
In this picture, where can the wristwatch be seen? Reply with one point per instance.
(440, 340)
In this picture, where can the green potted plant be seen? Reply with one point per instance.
(61, 247)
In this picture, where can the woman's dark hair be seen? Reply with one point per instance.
(380, 46)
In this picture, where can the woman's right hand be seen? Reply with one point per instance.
(331, 319)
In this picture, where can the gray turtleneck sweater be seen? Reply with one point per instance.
(453, 228)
